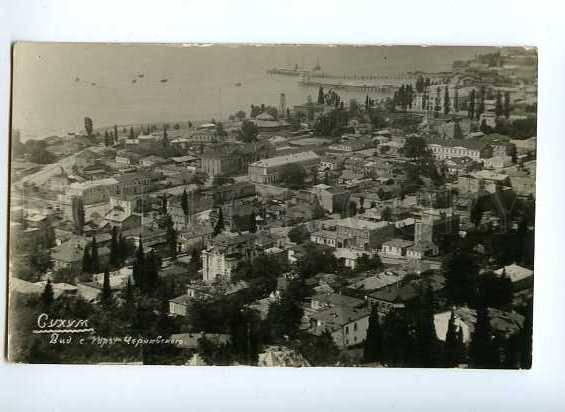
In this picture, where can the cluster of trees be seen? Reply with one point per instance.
(404, 97)
(422, 83)
(293, 176)
(256, 110)
(334, 123)
(248, 131)
(422, 165)
(331, 98)
(36, 150)
(407, 338)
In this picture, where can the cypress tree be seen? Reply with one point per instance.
(139, 266)
(122, 248)
(47, 297)
(78, 214)
(114, 248)
(116, 132)
(106, 294)
(425, 331)
(446, 101)
(219, 224)
(452, 350)
(320, 95)
(525, 339)
(171, 237)
(165, 140)
(184, 205)
(151, 272)
(95, 264)
(373, 346)
(483, 351)
(131, 134)
(252, 223)
(498, 109)
(507, 105)
(471, 109)
(86, 260)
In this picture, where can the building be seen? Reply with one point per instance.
(267, 170)
(344, 317)
(332, 199)
(91, 192)
(224, 253)
(360, 234)
(232, 159)
(396, 248)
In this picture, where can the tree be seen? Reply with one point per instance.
(108, 141)
(416, 148)
(184, 205)
(452, 343)
(47, 297)
(507, 107)
(483, 352)
(292, 175)
(116, 133)
(106, 294)
(139, 266)
(95, 264)
(461, 272)
(471, 106)
(252, 222)
(366, 262)
(481, 108)
(195, 261)
(165, 139)
(171, 236)
(426, 341)
(78, 214)
(476, 213)
(484, 127)
(285, 316)
(151, 272)
(131, 134)
(114, 248)
(446, 102)
(498, 109)
(240, 115)
(219, 227)
(248, 131)
(496, 291)
(123, 248)
(299, 234)
(316, 259)
(86, 260)
(457, 132)
(321, 99)
(373, 345)
(88, 126)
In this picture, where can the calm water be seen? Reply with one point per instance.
(56, 86)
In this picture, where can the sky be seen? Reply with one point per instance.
(55, 85)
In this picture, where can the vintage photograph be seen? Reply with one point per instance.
(272, 205)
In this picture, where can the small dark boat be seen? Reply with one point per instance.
(238, 84)
(140, 75)
(93, 84)
(134, 81)
(164, 80)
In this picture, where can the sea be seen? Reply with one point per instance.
(55, 86)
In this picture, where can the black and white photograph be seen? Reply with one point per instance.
(272, 205)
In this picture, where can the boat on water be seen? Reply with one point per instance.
(164, 80)
(238, 84)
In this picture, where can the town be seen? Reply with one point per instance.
(391, 230)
